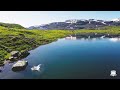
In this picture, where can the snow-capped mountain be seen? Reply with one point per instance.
(78, 24)
(116, 20)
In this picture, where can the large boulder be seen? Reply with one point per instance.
(20, 65)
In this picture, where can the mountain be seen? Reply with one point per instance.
(78, 24)
(116, 20)
(8, 25)
(37, 27)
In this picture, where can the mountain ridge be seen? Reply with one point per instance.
(78, 24)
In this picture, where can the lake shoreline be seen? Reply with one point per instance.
(87, 35)
(9, 61)
(79, 35)
(92, 59)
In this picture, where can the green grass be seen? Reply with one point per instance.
(21, 39)
(106, 30)
(8, 25)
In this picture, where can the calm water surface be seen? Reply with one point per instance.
(71, 59)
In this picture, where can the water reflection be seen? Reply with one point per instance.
(70, 38)
(87, 39)
(114, 39)
(88, 60)
(82, 38)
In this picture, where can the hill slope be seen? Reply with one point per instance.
(8, 25)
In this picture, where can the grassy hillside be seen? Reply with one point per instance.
(11, 25)
(21, 39)
(105, 30)
(13, 39)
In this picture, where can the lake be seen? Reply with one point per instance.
(71, 59)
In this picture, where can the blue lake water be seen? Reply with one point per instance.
(71, 59)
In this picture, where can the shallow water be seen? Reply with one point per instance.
(71, 59)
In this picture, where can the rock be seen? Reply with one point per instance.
(11, 58)
(15, 53)
(1, 38)
(15, 38)
(22, 35)
(1, 63)
(24, 54)
(20, 65)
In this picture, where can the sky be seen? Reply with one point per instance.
(31, 18)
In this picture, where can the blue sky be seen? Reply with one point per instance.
(29, 18)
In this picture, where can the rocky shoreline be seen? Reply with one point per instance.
(15, 56)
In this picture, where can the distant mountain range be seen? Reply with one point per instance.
(78, 24)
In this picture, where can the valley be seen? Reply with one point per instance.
(23, 40)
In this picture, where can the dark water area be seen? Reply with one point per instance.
(71, 59)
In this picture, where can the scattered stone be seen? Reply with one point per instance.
(11, 58)
(22, 35)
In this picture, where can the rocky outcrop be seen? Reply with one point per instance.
(24, 54)
(20, 65)
(16, 55)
